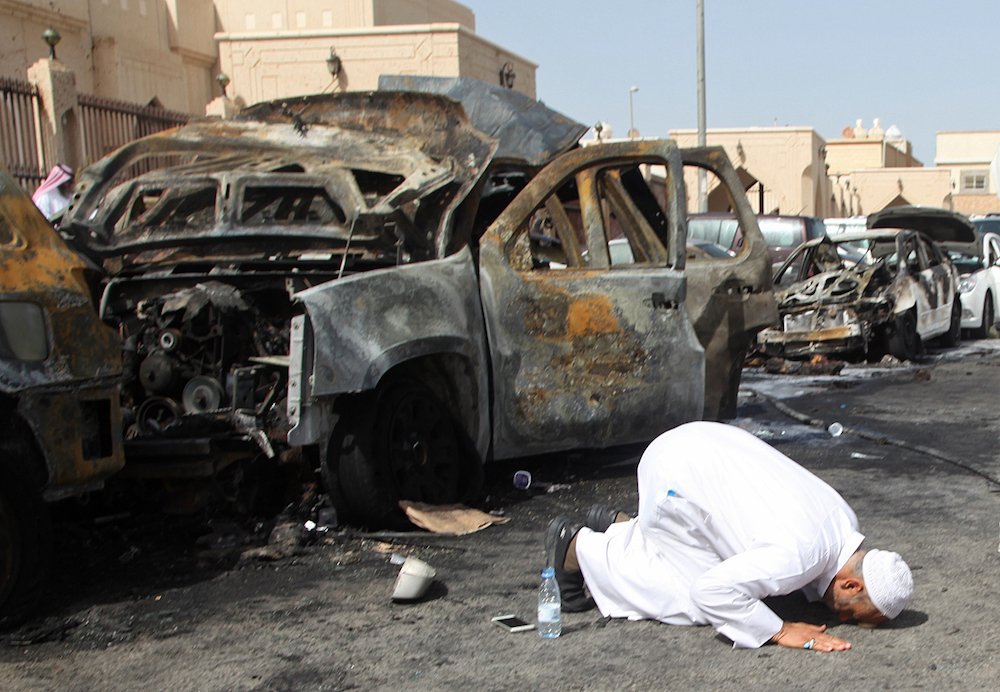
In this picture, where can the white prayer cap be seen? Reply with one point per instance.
(888, 581)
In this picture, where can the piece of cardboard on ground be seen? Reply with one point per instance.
(456, 520)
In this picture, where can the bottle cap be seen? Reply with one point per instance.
(548, 572)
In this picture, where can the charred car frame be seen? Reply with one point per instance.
(360, 278)
(866, 294)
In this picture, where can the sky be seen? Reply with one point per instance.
(925, 66)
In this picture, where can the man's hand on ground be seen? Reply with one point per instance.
(795, 635)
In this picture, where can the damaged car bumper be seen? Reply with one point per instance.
(825, 331)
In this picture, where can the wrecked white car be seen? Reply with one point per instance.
(358, 279)
(862, 295)
(978, 267)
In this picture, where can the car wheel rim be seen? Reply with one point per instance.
(423, 454)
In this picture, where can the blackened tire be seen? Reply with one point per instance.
(989, 316)
(903, 340)
(404, 445)
(953, 337)
(25, 541)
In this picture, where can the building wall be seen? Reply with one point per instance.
(133, 50)
(788, 161)
(483, 60)
(973, 162)
(395, 12)
(976, 204)
(877, 189)
(21, 25)
(172, 50)
(236, 16)
(266, 65)
(846, 155)
(957, 148)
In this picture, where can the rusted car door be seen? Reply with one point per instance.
(587, 352)
(730, 299)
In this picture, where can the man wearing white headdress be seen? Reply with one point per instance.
(725, 520)
(54, 194)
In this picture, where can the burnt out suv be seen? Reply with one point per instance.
(370, 280)
(59, 371)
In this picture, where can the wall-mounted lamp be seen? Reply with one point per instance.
(333, 63)
(51, 37)
(223, 79)
(507, 75)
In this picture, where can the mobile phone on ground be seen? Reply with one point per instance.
(512, 623)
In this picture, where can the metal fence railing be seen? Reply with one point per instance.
(108, 124)
(104, 125)
(22, 145)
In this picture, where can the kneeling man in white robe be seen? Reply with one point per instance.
(725, 520)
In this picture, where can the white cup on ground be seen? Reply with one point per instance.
(415, 577)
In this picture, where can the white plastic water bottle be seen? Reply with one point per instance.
(549, 605)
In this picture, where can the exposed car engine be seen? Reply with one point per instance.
(207, 358)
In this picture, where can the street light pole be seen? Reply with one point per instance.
(702, 139)
(632, 133)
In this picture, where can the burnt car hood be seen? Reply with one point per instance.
(38, 268)
(940, 225)
(367, 159)
(828, 288)
(526, 130)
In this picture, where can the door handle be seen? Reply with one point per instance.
(661, 302)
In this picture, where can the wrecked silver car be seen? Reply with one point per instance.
(59, 407)
(862, 295)
(362, 279)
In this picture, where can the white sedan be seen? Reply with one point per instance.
(979, 285)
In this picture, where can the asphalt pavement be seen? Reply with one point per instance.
(918, 460)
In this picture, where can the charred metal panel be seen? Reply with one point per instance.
(730, 299)
(68, 395)
(527, 130)
(78, 431)
(366, 324)
(376, 156)
(940, 225)
(587, 357)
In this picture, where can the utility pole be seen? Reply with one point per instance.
(702, 140)
(632, 132)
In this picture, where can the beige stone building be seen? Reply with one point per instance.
(132, 50)
(170, 51)
(298, 47)
(852, 154)
(794, 170)
(972, 160)
(873, 169)
(783, 168)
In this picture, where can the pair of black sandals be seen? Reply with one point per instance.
(558, 535)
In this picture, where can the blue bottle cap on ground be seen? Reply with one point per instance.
(522, 480)
(548, 572)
